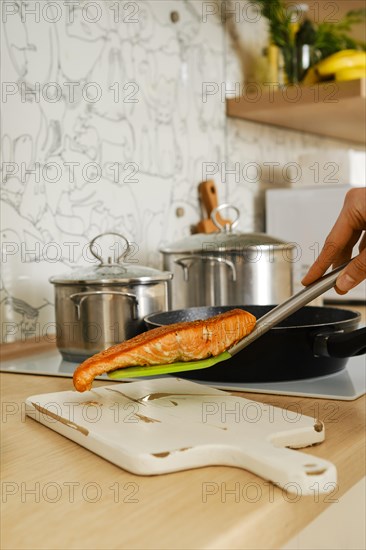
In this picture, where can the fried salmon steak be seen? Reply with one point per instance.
(186, 341)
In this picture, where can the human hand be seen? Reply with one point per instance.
(339, 244)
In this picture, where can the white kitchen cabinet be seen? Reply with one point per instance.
(340, 527)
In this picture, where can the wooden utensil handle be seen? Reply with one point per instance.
(208, 196)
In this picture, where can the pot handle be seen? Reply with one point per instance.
(227, 227)
(109, 263)
(340, 344)
(185, 267)
(79, 298)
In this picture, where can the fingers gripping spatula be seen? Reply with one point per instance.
(264, 324)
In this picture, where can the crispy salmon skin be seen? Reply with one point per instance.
(186, 341)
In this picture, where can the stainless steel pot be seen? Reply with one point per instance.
(227, 267)
(104, 305)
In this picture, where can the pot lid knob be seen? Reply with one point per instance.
(227, 227)
(110, 263)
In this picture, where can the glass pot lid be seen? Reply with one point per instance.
(118, 271)
(225, 239)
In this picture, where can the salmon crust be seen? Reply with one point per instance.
(187, 341)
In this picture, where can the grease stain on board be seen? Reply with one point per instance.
(164, 454)
(59, 418)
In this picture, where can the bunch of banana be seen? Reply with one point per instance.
(343, 65)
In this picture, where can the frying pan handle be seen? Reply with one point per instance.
(340, 344)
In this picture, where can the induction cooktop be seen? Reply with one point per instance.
(348, 384)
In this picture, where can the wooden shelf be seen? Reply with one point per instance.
(331, 109)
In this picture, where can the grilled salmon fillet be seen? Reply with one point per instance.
(186, 341)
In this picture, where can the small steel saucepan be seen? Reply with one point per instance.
(103, 305)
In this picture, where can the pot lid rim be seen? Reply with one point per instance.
(141, 280)
(223, 248)
(225, 242)
(159, 276)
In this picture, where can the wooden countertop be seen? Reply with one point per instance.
(58, 495)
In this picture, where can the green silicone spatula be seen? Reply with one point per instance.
(265, 323)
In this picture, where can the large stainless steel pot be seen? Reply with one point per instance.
(101, 306)
(227, 268)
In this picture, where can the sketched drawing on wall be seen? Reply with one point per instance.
(104, 128)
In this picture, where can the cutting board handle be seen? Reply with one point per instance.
(294, 471)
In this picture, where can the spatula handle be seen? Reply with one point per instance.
(287, 308)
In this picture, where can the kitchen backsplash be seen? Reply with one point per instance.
(112, 113)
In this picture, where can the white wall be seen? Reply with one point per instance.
(140, 148)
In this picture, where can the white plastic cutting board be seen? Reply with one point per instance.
(170, 424)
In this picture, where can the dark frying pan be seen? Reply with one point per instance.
(314, 341)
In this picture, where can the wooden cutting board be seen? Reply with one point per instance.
(169, 424)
